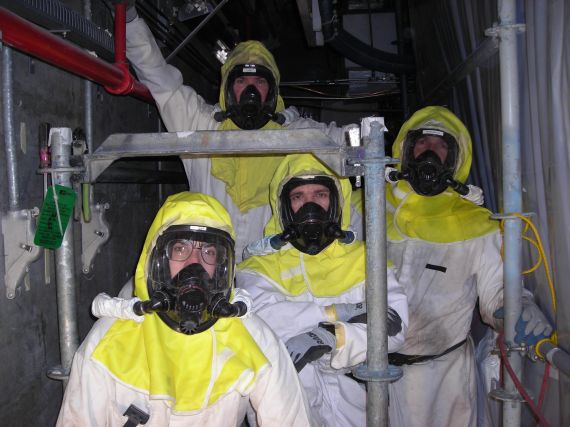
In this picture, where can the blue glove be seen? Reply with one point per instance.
(532, 325)
(347, 311)
(310, 346)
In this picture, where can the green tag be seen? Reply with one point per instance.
(54, 217)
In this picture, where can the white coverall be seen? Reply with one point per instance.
(336, 399)
(201, 379)
(443, 391)
(277, 400)
(182, 109)
(290, 290)
(446, 251)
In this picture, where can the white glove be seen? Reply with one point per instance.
(347, 311)
(105, 306)
(475, 195)
(291, 114)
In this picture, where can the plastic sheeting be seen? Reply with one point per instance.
(545, 137)
(446, 32)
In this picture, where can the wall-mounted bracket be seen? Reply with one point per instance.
(18, 228)
(94, 234)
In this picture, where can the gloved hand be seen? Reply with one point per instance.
(347, 311)
(475, 195)
(532, 325)
(394, 321)
(290, 114)
(310, 346)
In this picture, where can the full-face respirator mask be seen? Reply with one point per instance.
(190, 278)
(249, 111)
(427, 174)
(312, 228)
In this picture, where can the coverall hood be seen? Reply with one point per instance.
(299, 165)
(439, 118)
(335, 270)
(193, 371)
(443, 218)
(181, 209)
(250, 52)
(246, 177)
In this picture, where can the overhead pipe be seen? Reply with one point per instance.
(54, 14)
(35, 41)
(120, 41)
(355, 50)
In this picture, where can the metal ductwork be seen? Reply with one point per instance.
(55, 16)
(33, 40)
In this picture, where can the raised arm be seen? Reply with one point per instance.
(181, 108)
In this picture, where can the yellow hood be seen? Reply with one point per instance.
(250, 52)
(246, 177)
(443, 119)
(296, 165)
(332, 272)
(180, 209)
(192, 371)
(444, 218)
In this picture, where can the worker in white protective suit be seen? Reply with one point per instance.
(196, 359)
(447, 254)
(249, 99)
(312, 291)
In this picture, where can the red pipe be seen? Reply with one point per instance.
(121, 51)
(33, 40)
(120, 33)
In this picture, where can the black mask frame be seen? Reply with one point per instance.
(427, 175)
(178, 312)
(322, 225)
(249, 112)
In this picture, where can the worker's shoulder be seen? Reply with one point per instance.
(260, 331)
